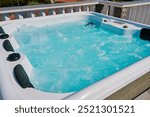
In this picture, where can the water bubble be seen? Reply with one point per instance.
(135, 55)
(79, 52)
(65, 39)
(69, 56)
(101, 53)
(147, 45)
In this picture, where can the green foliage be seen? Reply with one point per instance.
(36, 2)
(8, 3)
(40, 1)
(46, 1)
(33, 3)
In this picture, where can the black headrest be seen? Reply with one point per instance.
(13, 57)
(1, 30)
(22, 77)
(4, 36)
(7, 45)
(145, 34)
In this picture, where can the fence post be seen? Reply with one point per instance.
(124, 13)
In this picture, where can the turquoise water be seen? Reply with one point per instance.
(71, 56)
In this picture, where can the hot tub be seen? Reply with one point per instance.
(83, 55)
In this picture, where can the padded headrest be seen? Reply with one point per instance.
(13, 57)
(145, 34)
(7, 45)
(22, 77)
(4, 36)
(1, 30)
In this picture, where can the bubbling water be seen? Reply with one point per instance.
(71, 56)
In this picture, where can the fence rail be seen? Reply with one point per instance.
(135, 11)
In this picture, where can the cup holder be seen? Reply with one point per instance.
(13, 57)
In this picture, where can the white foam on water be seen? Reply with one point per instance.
(72, 56)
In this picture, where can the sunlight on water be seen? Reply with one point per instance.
(71, 56)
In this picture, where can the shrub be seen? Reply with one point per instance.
(33, 3)
(8, 3)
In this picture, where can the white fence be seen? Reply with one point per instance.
(44, 10)
(140, 13)
(135, 11)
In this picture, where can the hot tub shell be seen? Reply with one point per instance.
(125, 84)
